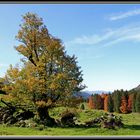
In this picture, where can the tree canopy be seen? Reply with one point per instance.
(49, 76)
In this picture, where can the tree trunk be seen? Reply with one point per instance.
(45, 117)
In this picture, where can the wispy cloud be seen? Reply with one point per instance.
(125, 15)
(90, 40)
(108, 38)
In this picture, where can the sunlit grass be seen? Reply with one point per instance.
(131, 126)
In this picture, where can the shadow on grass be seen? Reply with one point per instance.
(5, 133)
(132, 127)
(78, 126)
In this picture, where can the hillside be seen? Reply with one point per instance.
(136, 88)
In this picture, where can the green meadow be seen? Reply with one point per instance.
(131, 126)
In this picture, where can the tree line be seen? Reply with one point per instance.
(119, 101)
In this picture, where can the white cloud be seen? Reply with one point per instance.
(89, 40)
(129, 33)
(125, 15)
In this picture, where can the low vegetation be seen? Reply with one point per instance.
(131, 125)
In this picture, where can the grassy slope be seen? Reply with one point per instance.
(131, 121)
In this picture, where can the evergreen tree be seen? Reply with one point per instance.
(110, 103)
(130, 99)
(137, 105)
(134, 102)
(82, 106)
(117, 100)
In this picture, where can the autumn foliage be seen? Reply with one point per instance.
(124, 107)
(90, 103)
(130, 99)
(121, 101)
(47, 77)
(106, 103)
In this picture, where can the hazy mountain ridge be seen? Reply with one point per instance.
(136, 88)
(86, 94)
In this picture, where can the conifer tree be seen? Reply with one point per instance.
(134, 102)
(130, 98)
(117, 100)
(110, 103)
(137, 104)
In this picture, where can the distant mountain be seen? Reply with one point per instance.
(97, 91)
(86, 94)
(136, 88)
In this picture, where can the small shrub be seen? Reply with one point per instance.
(41, 127)
(82, 107)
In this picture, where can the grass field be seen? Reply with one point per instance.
(131, 126)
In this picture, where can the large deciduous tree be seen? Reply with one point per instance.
(49, 76)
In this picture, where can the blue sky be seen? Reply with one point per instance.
(104, 37)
